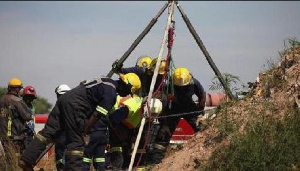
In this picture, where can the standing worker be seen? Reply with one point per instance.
(185, 86)
(127, 115)
(13, 117)
(29, 94)
(145, 73)
(77, 110)
(60, 142)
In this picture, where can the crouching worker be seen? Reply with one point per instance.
(76, 112)
(126, 117)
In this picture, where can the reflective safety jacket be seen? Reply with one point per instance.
(134, 105)
(14, 114)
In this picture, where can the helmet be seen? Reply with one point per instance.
(155, 106)
(132, 79)
(181, 77)
(144, 62)
(15, 82)
(29, 90)
(162, 66)
(61, 89)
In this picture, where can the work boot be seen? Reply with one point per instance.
(34, 152)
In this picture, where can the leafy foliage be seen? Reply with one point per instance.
(231, 81)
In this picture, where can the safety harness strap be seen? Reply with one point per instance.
(96, 81)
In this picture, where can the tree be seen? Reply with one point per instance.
(231, 81)
(41, 104)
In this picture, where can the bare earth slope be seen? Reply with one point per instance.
(279, 87)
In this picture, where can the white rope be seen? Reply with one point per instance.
(152, 86)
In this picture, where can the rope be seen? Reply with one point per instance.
(179, 114)
(151, 87)
(167, 75)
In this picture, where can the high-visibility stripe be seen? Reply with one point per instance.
(99, 160)
(9, 123)
(74, 153)
(141, 168)
(116, 149)
(101, 110)
(160, 147)
(59, 161)
(42, 139)
(87, 160)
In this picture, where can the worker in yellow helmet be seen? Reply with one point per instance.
(185, 86)
(76, 112)
(13, 117)
(145, 70)
(145, 74)
(144, 62)
(126, 117)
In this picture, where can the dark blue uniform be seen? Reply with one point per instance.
(72, 110)
(183, 103)
(145, 76)
(94, 152)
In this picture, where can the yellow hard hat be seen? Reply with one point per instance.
(162, 66)
(15, 82)
(181, 77)
(133, 79)
(144, 62)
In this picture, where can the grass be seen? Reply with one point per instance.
(268, 144)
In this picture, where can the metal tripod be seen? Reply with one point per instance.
(195, 36)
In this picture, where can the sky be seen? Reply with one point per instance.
(48, 43)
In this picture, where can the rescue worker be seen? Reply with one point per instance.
(145, 74)
(77, 110)
(126, 117)
(28, 95)
(13, 117)
(60, 142)
(185, 86)
(145, 70)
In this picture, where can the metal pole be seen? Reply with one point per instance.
(136, 144)
(139, 38)
(205, 52)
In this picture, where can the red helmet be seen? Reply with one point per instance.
(29, 90)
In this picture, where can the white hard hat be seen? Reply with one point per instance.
(155, 106)
(61, 89)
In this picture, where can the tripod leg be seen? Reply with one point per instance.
(205, 52)
(139, 38)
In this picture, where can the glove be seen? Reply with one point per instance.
(116, 68)
(30, 125)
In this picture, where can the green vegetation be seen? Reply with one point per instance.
(260, 137)
(232, 81)
(267, 144)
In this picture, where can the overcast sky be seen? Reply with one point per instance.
(48, 43)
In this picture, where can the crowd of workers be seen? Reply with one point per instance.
(102, 115)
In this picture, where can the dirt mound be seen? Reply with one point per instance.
(279, 87)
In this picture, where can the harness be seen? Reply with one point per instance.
(96, 81)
